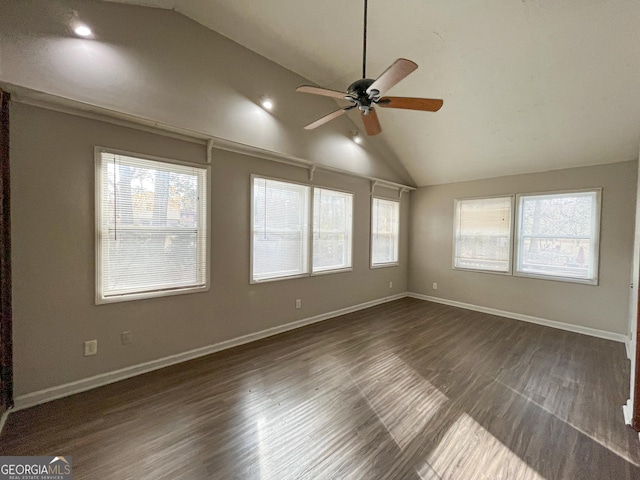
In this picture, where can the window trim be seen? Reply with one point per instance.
(312, 231)
(373, 266)
(511, 236)
(100, 299)
(596, 237)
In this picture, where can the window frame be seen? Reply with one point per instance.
(100, 298)
(512, 219)
(596, 237)
(395, 263)
(310, 272)
(252, 280)
(311, 236)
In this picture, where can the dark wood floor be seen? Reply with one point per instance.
(405, 390)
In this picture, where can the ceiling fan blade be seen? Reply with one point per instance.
(410, 103)
(371, 122)
(392, 75)
(321, 91)
(326, 118)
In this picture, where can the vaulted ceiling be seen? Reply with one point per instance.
(529, 85)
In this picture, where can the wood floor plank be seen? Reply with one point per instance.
(405, 390)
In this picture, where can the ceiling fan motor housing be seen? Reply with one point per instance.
(357, 93)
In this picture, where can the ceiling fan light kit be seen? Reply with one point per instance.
(366, 93)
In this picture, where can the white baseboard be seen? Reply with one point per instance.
(3, 419)
(627, 411)
(617, 337)
(627, 347)
(53, 393)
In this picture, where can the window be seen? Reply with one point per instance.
(280, 224)
(483, 234)
(332, 230)
(558, 235)
(151, 225)
(385, 221)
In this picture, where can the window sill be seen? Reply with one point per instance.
(478, 270)
(384, 265)
(329, 272)
(127, 297)
(253, 281)
(583, 281)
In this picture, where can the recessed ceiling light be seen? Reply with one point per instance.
(82, 30)
(356, 137)
(266, 103)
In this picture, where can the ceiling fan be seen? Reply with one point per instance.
(365, 93)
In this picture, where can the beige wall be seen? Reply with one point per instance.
(53, 256)
(602, 307)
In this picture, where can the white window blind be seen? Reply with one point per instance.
(280, 225)
(332, 229)
(151, 227)
(483, 234)
(385, 226)
(558, 235)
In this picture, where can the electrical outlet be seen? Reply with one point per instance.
(90, 347)
(298, 303)
(390, 284)
(126, 338)
(435, 286)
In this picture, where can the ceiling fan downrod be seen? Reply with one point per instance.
(364, 43)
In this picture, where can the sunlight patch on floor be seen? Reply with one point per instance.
(468, 450)
(402, 399)
(418, 415)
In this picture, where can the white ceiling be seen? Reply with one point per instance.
(528, 85)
